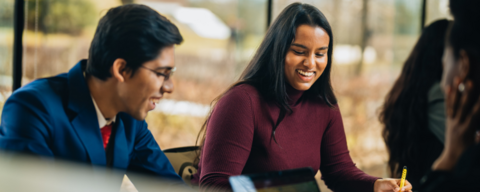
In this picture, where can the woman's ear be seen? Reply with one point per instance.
(463, 65)
(118, 69)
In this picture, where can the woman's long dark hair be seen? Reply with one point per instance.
(463, 34)
(405, 111)
(266, 70)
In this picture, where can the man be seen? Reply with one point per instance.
(95, 113)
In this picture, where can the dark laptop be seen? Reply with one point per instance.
(295, 180)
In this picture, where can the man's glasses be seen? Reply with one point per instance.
(167, 74)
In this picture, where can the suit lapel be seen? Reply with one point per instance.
(86, 126)
(85, 123)
(120, 150)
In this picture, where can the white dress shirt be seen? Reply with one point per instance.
(101, 119)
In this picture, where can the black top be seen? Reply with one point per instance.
(464, 177)
(431, 148)
(431, 144)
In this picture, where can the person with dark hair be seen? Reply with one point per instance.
(413, 114)
(95, 113)
(283, 114)
(458, 167)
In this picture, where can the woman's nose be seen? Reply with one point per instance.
(309, 61)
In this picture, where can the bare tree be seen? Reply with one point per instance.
(365, 36)
(127, 1)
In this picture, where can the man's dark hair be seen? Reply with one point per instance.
(135, 33)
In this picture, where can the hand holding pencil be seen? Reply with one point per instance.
(393, 185)
(404, 176)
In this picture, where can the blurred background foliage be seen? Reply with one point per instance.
(6, 13)
(60, 16)
(410, 12)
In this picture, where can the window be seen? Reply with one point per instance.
(220, 37)
(6, 49)
(437, 9)
(372, 39)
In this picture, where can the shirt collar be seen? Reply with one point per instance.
(101, 119)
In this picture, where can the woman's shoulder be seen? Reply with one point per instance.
(243, 90)
(332, 109)
(320, 102)
(240, 99)
(243, 94)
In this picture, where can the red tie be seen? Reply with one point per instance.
(106, 132)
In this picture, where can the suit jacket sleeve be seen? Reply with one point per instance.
(148, 158)
(26, 125)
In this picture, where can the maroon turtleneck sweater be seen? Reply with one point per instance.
(238, 141)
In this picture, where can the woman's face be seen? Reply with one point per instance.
(449, 69)
(306, 58)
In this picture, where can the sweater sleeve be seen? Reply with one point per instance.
(338, 170)
(228, 141)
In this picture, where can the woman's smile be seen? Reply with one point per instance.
(307, 57)
(305, 75)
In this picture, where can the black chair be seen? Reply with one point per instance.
(182, 161)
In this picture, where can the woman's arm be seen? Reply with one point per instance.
(338, 170)
(228, 140)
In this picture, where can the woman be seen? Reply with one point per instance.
(458, 167)
(282, 114)
(414, 114)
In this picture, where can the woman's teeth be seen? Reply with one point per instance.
(155, 101)
(304, 73)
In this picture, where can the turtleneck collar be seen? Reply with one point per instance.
(293, 94)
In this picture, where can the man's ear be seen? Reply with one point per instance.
(119, 69)
(463, 65)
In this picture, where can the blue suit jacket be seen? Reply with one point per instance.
(56, 117)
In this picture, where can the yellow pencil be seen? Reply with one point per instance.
(404, 175)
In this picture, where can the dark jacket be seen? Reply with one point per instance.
(464, 178)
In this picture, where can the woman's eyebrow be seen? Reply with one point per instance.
(305, 47)
(299, 45)
(323, 48)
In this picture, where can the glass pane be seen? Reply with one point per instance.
(437, 9)
(206, 66)
(251, 27)
(372, 39)
(218, 42)
(6, 49)
(407, 28)
(58, 34)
